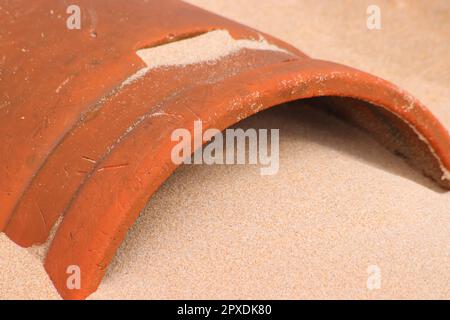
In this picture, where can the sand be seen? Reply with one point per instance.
(204, 48)
(207, 47)
(339, 204)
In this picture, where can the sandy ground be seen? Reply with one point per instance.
(339, 204)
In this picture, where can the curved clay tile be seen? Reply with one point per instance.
(87, 125)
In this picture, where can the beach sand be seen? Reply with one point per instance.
(339, 205)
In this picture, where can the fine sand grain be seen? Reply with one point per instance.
(205, 48)
(339, 204)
